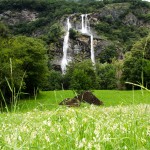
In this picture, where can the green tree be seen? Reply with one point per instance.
(28, 56)
(55, 80)
(81, 76)
(106, 76)
(4, 31)
(136, 64)
(108, 54)
(54, 33)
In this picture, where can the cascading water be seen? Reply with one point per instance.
(86, 29)
(83, 27)
(84, 24)
(92, 51)
(65, 48)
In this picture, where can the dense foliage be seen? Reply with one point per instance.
(137, 63)
(23, 64)
(127, 58)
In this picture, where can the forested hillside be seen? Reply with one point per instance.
(31, 44)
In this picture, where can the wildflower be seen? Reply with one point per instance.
(89, 145)
(33, 135)
(47, 138)
(48, 123)
(125, 147)
(106, 137)
(19, 138)
(96, 132)
(148, 131)
(85, 120)
(80, 145)
(8, 140)
(72, 121)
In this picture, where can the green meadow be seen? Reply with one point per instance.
(39, 123)
(47, 100)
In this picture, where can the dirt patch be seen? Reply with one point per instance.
(86, 96)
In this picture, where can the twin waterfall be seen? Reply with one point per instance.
(85, 30)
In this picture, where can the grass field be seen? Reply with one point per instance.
(123, 123)
(48, 100)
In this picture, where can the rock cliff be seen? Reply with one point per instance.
(79, 47)
(13, 17)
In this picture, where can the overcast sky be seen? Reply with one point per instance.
(147, 0)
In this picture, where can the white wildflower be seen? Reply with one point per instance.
(73, 128)
(96, 132)
(148, 131)
(72, 121)
(80, 145)
(33, 135)
(19, 138)
(68, 132)
(106, 137)
(47, 138)
(48, 123)
(45, 122)
(84, 140)
(85, 120)
(89, 145)
(125, 147)
(123, 129)
(8, 140)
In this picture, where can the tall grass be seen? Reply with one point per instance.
(14, 94)
(88, 128)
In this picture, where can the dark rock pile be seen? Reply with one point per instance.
(86, 96)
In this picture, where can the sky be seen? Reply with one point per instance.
(147, 0)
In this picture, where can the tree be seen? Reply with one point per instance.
(81, 76)
(55, 80)
(54, 33)
(28, 55)
(4, 31)
(108, 54)
(106, 76)
(136, 64)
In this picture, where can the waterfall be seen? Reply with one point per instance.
(92, 51)
(86, 29)
(83, 28)
(84, 24)
(65, 48)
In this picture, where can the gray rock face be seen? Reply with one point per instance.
(131, 19)
(16, 17)
(79, 49)
(112, 12)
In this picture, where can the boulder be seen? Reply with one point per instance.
(89, 97)
(71, 102)
(86, 96)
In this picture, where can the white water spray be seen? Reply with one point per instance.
(86, 29)
(92, 51)
(64, 62)
(84, 24)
